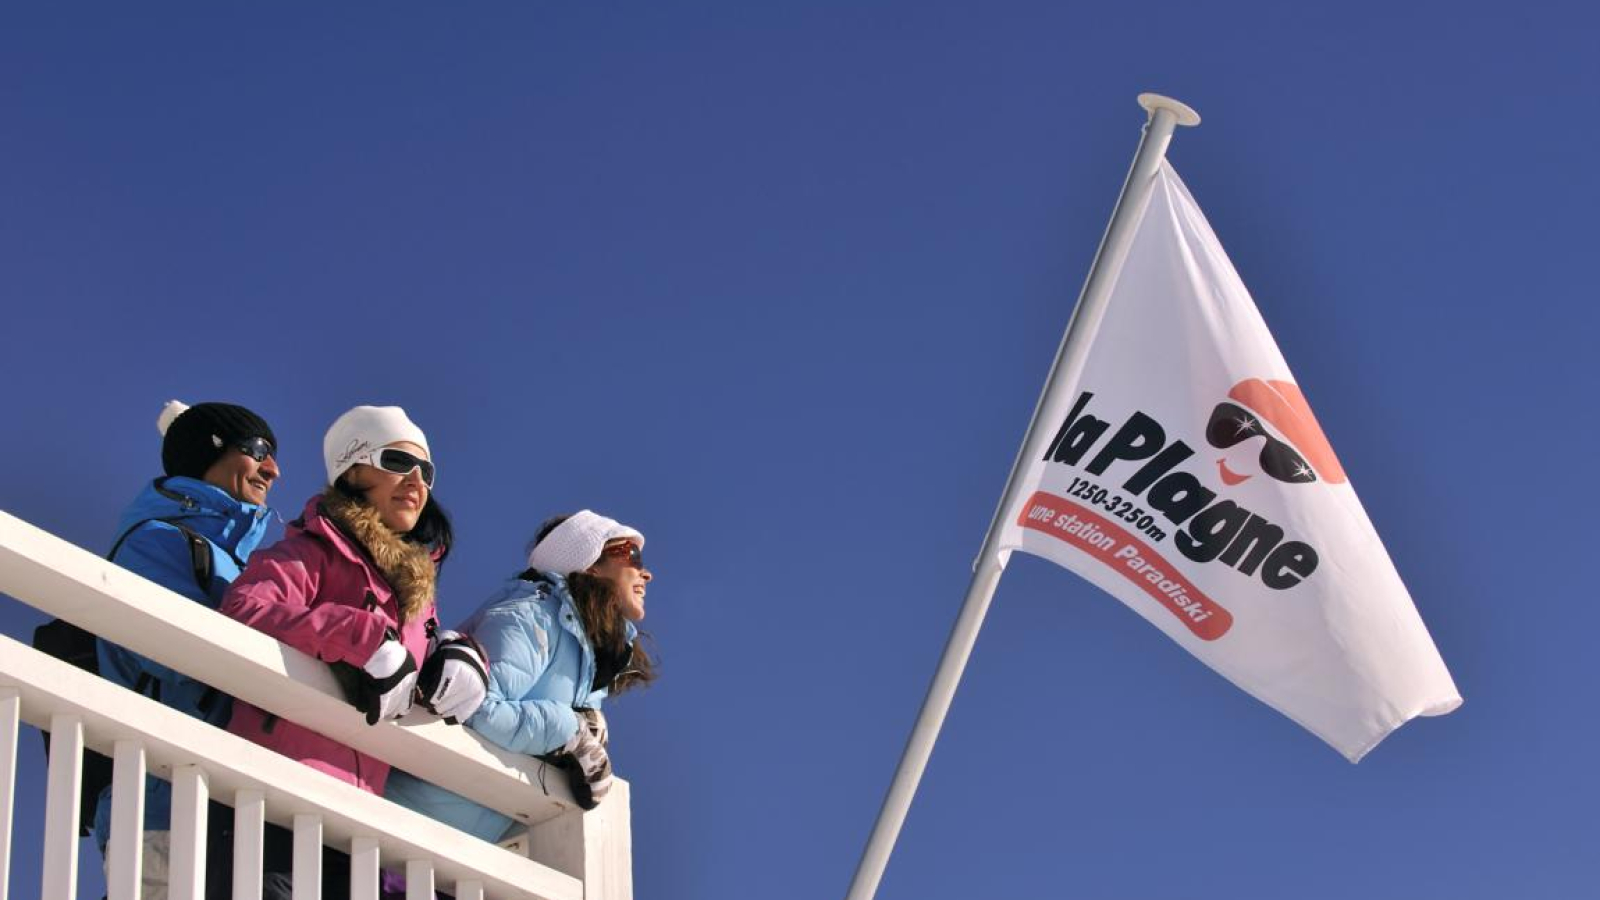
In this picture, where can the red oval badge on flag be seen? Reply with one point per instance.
(1130, 557)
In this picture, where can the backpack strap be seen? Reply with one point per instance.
(199, 556)
(200, 547)
(203, 565)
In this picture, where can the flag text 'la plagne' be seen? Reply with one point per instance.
(1209, 529)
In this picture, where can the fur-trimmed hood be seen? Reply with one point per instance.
(409, 568)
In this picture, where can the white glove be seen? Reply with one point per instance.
(391, 677)
(454, 677)
(587, 765)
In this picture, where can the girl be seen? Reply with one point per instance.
(561, 636)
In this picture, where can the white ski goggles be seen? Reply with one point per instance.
(393, 459)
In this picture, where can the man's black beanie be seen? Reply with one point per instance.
(200, 434)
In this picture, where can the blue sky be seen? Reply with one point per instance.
(779, 285)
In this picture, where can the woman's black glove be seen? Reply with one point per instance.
(383, 686)
(454, 677)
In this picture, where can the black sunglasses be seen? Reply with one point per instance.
(1231, 424)
(257, 448)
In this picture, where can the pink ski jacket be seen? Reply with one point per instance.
(331, 588)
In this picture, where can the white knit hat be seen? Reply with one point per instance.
(366, 428)
(575, 544)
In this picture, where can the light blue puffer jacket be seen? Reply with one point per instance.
(541, 666)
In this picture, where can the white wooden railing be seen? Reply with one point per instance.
(566, 854)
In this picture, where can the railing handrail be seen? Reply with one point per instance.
(71, 583)
(49, 688)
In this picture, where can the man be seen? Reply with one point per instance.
(190, 532)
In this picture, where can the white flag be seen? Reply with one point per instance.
(1180, 469)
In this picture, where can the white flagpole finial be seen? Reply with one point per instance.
(1182, 113)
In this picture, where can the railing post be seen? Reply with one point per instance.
(364, 869)
(249, 823)
(191, 802)
(10, 714)
(307, 878)
(59, 880)
(419, 879)
(125, 854)
(595, 847)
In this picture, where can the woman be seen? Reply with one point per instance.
(561, 636)
(352, 583)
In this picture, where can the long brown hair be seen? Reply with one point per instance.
(601, 609)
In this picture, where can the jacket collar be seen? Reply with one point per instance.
(355, 532)
(221, 517)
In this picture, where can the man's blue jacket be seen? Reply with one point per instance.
(151, 545)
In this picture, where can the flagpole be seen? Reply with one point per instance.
(1165, 114)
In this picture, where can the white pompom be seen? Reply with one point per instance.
(172, 410)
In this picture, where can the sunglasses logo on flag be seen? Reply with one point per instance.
(1266, 409)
